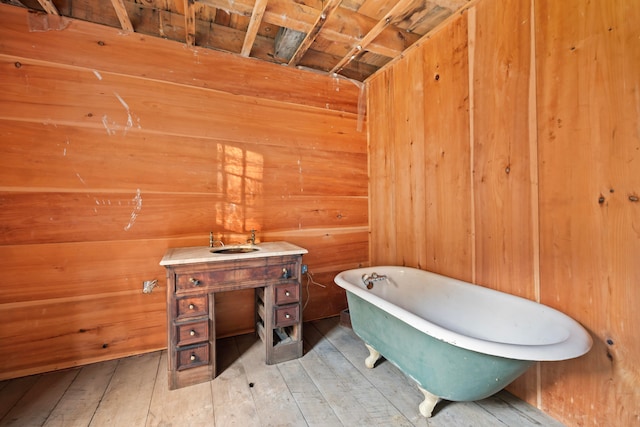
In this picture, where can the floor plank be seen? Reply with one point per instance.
(35, 405)
(329, 386)
(128, 396)
(13, 391)
(273, 401)
(189, 406)
(80, 400)
(315, 408)
(233, 403)
(391, 382)
(354, 398)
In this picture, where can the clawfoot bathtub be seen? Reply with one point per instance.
(458, 341)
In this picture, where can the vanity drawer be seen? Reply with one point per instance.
(200, 280)
(287, 315)
(286, 294)
(192, 306)
(191, 357)
(191, 333)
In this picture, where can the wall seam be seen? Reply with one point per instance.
(534, 176)
(471, 37)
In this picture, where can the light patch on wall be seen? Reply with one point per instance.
(239, 177)
(137, 200)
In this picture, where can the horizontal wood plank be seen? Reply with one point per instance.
(120, 104)
(58, 334)
(102, 48)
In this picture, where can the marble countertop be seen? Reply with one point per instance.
(197, 254)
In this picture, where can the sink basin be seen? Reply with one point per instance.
(235, 249)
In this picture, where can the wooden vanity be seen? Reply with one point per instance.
(195, 275)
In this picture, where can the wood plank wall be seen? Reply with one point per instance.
(505, 150)
(116, 147)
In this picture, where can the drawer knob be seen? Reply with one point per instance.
(192, 332)
(193, 357)
(285, 273)
(195, 281)
(287, 293)
(287, 316)
(191, 306)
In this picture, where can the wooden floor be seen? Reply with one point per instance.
(329, 386)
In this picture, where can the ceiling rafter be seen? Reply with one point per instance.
(49, 7)
(254, 25)
(344, 27)
(190, 22)
(328, 9)
(123, 16)
(355, 38)
(386, 21)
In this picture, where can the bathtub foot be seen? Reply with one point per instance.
(370, 361)
(430, 400)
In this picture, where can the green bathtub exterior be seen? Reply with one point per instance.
(447, 371)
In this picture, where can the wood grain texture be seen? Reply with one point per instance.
(420, 159)
(558, 103)
(101, 48)
(109, 158)
(502, 188)
(329, 386)
(588, 92)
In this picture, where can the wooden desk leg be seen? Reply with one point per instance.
(213, 372)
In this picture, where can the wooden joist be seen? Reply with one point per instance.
(344, 27)
(254, 25)
(190, 22)
(49, 7)
(327, 11)
(390, 17)
(123, 16)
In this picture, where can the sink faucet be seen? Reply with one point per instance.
(368, 280)
(252, 239)
(212, 242)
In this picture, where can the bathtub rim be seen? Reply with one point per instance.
(577, 343)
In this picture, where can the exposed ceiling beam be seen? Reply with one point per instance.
(346, 26)
(327, 11)
(190, 22)
(49, 7)
(123, 16)
(254, 26)
(390, 17)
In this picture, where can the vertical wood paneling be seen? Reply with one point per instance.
(555, 103)
(117, 148)
(382, 179)
(589, 111)
(502, 184)
(447, 237)
(421, 145)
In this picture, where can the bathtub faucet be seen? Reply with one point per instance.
(368, 280)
